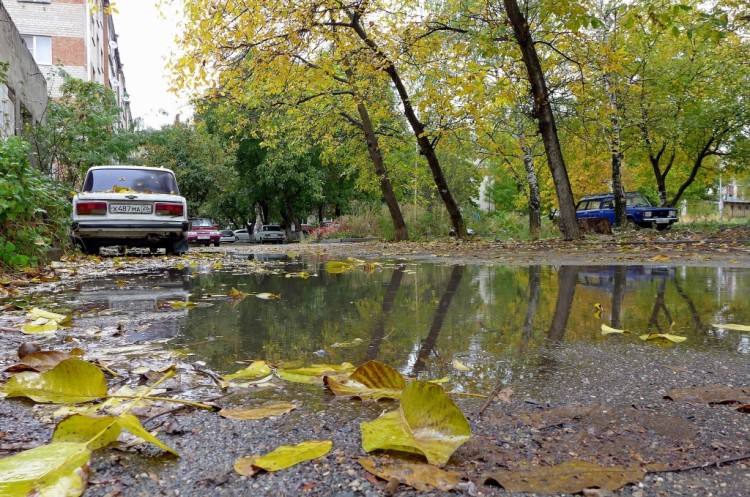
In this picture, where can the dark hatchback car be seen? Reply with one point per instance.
(641, 213)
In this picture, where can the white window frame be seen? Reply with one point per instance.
(42, 55)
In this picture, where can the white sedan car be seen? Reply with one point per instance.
(129, 206)
(242, 235)
(270, 233)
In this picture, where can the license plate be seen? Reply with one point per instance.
(130, 208)
(662, 221)
(203, 237)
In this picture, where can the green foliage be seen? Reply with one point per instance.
(81, 130)
(26, 197)
(201, 163)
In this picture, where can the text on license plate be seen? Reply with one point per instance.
(130, 208)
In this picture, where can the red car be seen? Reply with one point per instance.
(204, 231)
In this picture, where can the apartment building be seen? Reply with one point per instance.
(23, 89)
(77, 36)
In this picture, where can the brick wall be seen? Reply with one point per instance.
(68, 51)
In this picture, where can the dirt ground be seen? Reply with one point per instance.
(610, 405)
(728, 247)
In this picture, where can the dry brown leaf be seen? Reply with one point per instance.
(569, 477)
(421, 476)
(711, 394)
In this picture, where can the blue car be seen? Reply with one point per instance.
(641, 213)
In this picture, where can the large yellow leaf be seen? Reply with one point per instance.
(372, 380)
(131, 423)
(100, 431)
(427, 423)
(71, 381)
(51, 470)
(570, 477)
(96, 431)
(266, 411)
(256, 370)
(283, 457)
(423, 477)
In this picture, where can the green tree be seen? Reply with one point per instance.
(200, 161)
(80, 131)
(298, 33)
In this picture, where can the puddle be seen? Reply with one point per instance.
(481, 323)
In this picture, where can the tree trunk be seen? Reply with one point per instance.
(376, 156)
(546, 119)
(615, 148)
(535, 197)
(567, 278)
(425, 145)
(428, 344)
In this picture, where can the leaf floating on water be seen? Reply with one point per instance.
(570, 477)
(302, 274)
(314, 373)
(256, 370)
(236, 294)
(338, 267)
(56, 469)
(181, 304)
(606, 330)
(666, 336)
(427, 422)
(599, 309)
(283, 457)
(71, 381)
(730, 326)
(36, 312)
(353, 343)
(49, 326)
(372, 380)
(459, 366)
(423, 477)
(266, 411)
(268, 296)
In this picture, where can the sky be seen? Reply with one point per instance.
(145, 41)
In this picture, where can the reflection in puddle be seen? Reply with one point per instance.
(497, 323)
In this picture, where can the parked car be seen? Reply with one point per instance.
(270, 233)
(242, 235)
(641, 213)
(227, 236)
(204, 231)
(129, 206)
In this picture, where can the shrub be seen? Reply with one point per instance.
(33, 208)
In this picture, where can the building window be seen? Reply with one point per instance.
(40, 47)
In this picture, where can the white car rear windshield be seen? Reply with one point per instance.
(137, 180)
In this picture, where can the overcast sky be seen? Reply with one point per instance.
(145, 41)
